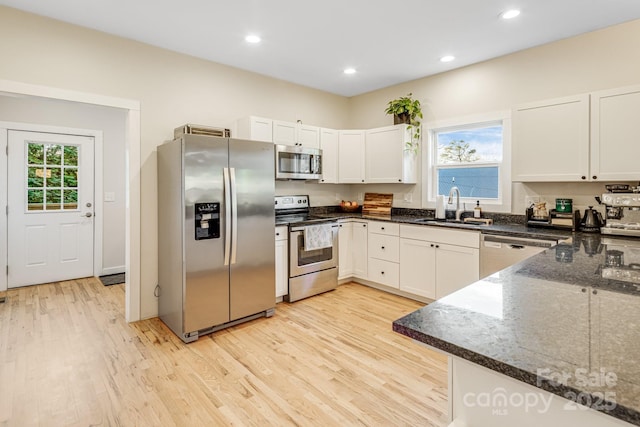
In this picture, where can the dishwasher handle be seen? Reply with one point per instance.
(516, 246)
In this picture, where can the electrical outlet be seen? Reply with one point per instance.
(360, 196)
(337, 197)
(408, 197)
(529, 200)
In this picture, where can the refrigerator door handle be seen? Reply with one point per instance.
(227, 215)
(234, 217)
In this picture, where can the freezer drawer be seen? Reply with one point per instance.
(500, 252)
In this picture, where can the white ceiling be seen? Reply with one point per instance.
(310, 43)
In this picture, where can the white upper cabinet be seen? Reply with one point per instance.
(288, 133)
(551, 140)
(387, 158)
(255, 128)
(351, 155)
(329, 139)
(615, 130)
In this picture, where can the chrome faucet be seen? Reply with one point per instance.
(459, 211)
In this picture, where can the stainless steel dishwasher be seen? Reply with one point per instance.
(500, 252)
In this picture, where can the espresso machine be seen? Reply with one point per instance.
(622, 214)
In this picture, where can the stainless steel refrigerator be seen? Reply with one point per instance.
(216, 253)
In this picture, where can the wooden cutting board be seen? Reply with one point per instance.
(377, 204)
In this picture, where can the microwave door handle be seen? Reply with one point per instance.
(234, 217)
(227, 215)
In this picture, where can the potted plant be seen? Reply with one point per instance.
(407, 110)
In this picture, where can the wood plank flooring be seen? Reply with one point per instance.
(68, 358)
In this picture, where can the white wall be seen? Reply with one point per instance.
(112, 122)
(593, 61)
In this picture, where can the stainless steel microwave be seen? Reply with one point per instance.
(293, 162)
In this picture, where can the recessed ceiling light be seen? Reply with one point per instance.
(252, 38)
(509, 14)
(349, 70)
(447, 58)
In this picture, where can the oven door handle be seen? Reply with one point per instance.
(301, 228)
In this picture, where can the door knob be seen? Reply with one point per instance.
(88, 215)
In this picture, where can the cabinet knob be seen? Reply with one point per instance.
(340, 225)
(382, 247)
(399, 180)
(584, 290)
(437, 246)
(595, 292)
(584, 177)
(277, 234)
(363, 180)
(595, 177)
(432, 245)
(364, 225)
(381, 228)
(382, 272)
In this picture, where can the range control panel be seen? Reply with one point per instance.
(621, 199)
(291, 202)
(207, 220)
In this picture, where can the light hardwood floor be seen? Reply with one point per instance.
(68, 358)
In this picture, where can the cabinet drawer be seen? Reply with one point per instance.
(437, 234)
(282, 232)
(384, 247)
(390, 228)
(384, 272)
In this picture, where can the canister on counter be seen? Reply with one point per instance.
(564, 205)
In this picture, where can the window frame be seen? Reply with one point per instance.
(430, 169)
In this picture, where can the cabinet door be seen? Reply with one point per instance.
(282, 268)
(383, 272)
(255, 128)
(614, 134)
(345, 250)
(308, 136)
(456, 267)
(284, 133)
(384, 149)
(351, 152)
(417, 267)
(329, 146)
(359, 249)
(551, 140)
(384, 247)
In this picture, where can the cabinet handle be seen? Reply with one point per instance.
(584, 177)
(595, 177)
(595, 292)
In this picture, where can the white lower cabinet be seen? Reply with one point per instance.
(359, 240)
(282, 261)
(435, 262)
(384, 253)
(345, 250)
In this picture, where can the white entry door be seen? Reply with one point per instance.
(50, 216)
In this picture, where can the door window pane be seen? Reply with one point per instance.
(52, 177)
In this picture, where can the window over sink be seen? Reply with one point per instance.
(473, 154)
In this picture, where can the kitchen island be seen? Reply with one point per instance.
(538, 342)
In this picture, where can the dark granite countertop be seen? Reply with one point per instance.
(566, 320)
(498, 228)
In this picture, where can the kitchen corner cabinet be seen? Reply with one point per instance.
(386, 158)
(255, 128)
(351, 155)
(615, 127)
(435, 262)
(298, 134)
(551, 140)
(329, 139)
(282, 261)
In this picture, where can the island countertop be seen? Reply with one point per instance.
(566, 321)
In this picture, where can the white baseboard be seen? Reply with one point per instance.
(112, 270)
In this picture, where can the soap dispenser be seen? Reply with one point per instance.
(477, 210)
